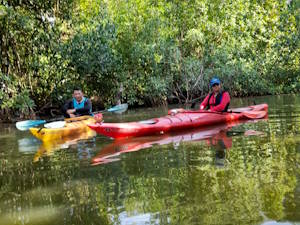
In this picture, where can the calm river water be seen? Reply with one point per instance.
(243, 173)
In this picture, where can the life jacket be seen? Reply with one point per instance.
(79, 105)
(218, 101)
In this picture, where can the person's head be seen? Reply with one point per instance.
(215, 84)
(77, 94)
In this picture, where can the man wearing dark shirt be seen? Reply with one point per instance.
(78, 105)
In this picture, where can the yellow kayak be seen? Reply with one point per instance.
(72, 128)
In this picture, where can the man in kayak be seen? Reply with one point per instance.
(218, 100)
(78, 105)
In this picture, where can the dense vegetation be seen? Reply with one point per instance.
(152, 52)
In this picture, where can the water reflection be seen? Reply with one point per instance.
(49, 147)
(28, 145)
(215, 136)
(225, 177)
(38, 215)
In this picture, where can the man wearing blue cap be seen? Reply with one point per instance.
(217, 100)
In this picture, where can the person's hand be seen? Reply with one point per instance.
(71, 111)
(72, 115)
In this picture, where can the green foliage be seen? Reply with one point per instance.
(157, 50)
(29, 39)
(14, 97)
(190, 81)
(93, 59)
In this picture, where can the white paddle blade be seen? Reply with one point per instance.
(56, 124)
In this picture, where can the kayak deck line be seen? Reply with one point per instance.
(148, 121)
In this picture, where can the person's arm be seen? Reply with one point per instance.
(204, 103)
(86, 110)
(223, 104)
(67, 106)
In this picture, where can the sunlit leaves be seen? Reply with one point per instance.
(147, 45)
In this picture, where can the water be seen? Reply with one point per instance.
(220, 175)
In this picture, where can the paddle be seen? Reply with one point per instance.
(116, 109)
(25, 125)
(56, 124)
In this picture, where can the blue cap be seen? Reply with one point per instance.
(214, 80)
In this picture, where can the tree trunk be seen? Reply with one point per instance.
(3, 48)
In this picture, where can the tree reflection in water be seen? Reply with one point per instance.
(183, 181)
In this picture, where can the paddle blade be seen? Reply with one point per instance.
(119, 108)
(25, 125)
(175, 111)
(254, 114)
(56, 124)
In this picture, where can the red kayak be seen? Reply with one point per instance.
(178, 119)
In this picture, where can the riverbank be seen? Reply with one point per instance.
(235, 102)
